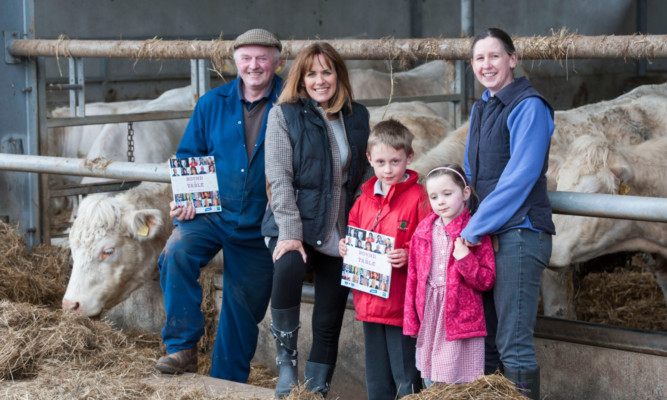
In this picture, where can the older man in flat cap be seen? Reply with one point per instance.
(229, 123)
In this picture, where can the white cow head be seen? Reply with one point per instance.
(114, 249)
(590, 166)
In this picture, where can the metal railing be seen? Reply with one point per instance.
(652, 209)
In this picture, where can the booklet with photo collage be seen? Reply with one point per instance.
(194, 182)
(365, 266)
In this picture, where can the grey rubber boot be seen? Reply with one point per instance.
(285, 329)
(318, 377)
(528, 382)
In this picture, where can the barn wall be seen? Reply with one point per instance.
(574, 371)
(584, 81)
(18, 121)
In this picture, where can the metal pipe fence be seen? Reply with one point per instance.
(652, 209)
(83, 167)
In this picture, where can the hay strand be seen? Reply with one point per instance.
(66, 53)
(220, 63)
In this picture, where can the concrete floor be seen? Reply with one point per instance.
(216, 387)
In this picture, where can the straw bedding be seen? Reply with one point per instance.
(38, 277)
(487, 387)
(52, 354)
(46, 353)
(622, 292)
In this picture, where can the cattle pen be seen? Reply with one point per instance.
(573, 354)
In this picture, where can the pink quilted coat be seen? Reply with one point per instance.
(466, 279)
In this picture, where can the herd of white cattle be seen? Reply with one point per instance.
(597, 148)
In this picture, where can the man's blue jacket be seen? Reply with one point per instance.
(216, 128)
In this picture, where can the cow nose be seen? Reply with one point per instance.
(71, 306)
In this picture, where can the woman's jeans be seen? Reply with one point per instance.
(511, 306)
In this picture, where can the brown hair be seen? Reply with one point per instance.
(294, 88)
(454, 171)
(499, 34)
(392, 133)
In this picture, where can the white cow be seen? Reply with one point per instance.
(154, 141)
(632, 118)
(115, 244)
(75, 141)
(431, 78)
(629, 119)
(427, 127)
(450, 150)
(595, 165)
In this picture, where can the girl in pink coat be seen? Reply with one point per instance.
(443, 297)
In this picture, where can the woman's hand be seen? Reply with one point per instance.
(460, 248)
(181, 213)
(342, 248)
(288, 245)
(471, 244)
(398, 257)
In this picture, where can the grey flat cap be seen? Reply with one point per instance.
(259, 37)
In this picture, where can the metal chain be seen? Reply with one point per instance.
(130, 142)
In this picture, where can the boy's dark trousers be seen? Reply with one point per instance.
(390, 362)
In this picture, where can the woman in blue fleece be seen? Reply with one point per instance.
(506, 161)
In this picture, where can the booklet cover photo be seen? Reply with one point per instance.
(365, 266)
(194, 182)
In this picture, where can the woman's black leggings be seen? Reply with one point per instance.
(330, 297)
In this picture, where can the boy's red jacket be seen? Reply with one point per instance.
(398, 214)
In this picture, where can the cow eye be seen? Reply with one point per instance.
(107, 252)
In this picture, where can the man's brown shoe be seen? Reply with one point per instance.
(179, 362)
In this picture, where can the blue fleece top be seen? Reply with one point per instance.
(527, 152)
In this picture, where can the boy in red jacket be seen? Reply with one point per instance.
(392, 204)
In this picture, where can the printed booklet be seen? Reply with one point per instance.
(193, 182)
(365, 266)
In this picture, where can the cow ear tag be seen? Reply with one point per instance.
(143, 231)
(623, 188)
